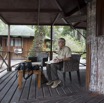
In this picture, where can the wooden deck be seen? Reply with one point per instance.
(72, 93)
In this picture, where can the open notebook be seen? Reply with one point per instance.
(50, 62)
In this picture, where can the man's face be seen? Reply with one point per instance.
(60, 43)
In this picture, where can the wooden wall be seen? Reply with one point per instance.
(27, 42)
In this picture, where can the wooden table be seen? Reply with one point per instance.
(36, 72)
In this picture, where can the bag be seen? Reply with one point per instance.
(27, 67)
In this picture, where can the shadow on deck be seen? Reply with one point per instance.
(72, 93)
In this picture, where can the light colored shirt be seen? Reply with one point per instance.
(65, 52)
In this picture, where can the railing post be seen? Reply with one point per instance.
(9, 54)
(51, 36)
(88, 65)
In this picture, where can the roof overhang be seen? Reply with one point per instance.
(43, 12)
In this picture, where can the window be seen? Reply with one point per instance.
(18, 42)
(12, 42)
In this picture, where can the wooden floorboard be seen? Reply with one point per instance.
(26, 90)
(7, 86)
(4, 77)
(3, 73)
(10, 93)
(32, 93)
(5, 82)
(72, 92)
(17, 95)
(46, 91)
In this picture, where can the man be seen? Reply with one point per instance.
(64, 53)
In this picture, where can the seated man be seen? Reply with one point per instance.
(64, 53)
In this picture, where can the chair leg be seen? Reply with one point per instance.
(64, 75)
(78, 74)
(70, 76)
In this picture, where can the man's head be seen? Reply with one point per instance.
(61, 42)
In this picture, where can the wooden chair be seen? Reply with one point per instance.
(70, 66)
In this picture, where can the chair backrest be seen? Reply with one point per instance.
(73, 64)
(41, 55)
(76, 57)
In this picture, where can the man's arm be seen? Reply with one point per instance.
(64, 59)
(55, 52)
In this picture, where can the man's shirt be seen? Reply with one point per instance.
(65, 52)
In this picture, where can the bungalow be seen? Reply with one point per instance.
(21, 39)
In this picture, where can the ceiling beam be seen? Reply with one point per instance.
(77, 27)
(43, 24)
(31, 10)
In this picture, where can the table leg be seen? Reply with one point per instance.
(20, 77)
(39, 79)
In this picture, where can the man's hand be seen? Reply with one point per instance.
(56, 60)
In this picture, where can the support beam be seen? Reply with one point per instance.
(31, 10)
(42, 24)
(57, 16)
(3, 59)
(9, 54)
(58, 5)
(66, 22)
(76, 24)
(3, 19)
(77, 18)
(51, 36)
(74, 11)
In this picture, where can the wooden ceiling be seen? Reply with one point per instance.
(44, 12)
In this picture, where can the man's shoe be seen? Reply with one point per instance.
(56, 83)
(49, 83)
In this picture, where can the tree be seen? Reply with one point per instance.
(38, 41)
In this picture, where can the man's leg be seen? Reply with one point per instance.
(54, 69)
(54, 74)
(49, 72)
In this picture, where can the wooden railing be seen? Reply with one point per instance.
(4, 55)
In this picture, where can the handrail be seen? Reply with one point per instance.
(42, 51)
(2, 70)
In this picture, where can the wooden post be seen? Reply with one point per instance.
(88, 66)
(51, 36)
(9, 54)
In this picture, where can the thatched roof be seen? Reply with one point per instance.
(19, 31)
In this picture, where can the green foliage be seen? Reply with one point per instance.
(2, 26)
(75, 45)
(73, 39)
(84, 56)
